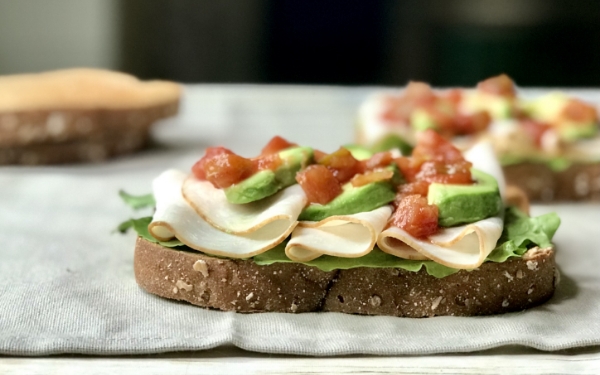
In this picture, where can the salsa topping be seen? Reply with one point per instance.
(434, 159)
(223, 168)
(500, 85)
(440, 110)
(319, 184)
(342, 164)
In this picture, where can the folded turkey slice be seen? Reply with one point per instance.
(175, 217)
(464, 247)
(212, 205)
(346, 236)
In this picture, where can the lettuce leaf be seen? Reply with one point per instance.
(520, 233)
(375, 259)
(140, 226)
(137, 201)
(556, 164)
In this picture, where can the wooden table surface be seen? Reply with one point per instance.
(231, 360)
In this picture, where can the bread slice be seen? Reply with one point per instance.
(579, 182)
(79, 115)
(244, 286)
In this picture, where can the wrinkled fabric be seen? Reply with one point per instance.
(67, 283)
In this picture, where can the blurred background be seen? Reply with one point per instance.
(351, 42)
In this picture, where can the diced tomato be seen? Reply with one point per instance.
(379, 160)
(319, 184)
(418, 187)
(535, 130)
(454, 173)
(371, 176)
(499, 85)
(222, 167)
(275, 145)
(434, 159)
(464, 125)
(416, 216)
(454, 96)
(432, 146)
(269, 161)
(342, 164)
(444, 119)
(578, 111)
(211, 152)
(398, 108)
(409, 166)
(318, 154)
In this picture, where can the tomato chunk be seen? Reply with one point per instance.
(578, 111)
(431, 145)
(399, 108)
(418, 187)
(455, 173)
(371, 176)
(415, 216)
(275, 145)
(499, 85)
(342, 164)
(222, 167)
(269, 161)
(379, 160)
(319, 184)
(535, 130)
(478, 121)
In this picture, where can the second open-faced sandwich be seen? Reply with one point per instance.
(298, 230)
(549, 145)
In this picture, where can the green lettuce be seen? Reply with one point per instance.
(375, 259)
(556, 164)
(140, 226)
(137, 201)
(520, 233)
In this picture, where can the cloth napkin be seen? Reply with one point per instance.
(67, 284)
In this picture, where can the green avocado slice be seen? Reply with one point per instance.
(351, 201)
(460, 204)
(421, 120)
(392, 141)
(265, 183)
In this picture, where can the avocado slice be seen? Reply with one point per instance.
(573, 132)
(421, 120)
(390, 142)
(359, 152)
(460, 204)
(351, 201)
(548, 108)
(265, 183)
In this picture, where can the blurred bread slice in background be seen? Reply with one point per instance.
(79, 115)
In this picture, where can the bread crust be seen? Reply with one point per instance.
(73, 136)
(579, 182)
(244, 286)
(79, 115)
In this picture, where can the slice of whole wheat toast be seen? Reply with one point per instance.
(79, 115)
(579, 182)
(244, 286)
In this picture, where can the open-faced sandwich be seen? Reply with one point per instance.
(549, 146)
(298, 230)
(79, 115)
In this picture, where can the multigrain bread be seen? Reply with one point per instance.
(244, 286)
(579, 182)
(79, 115)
